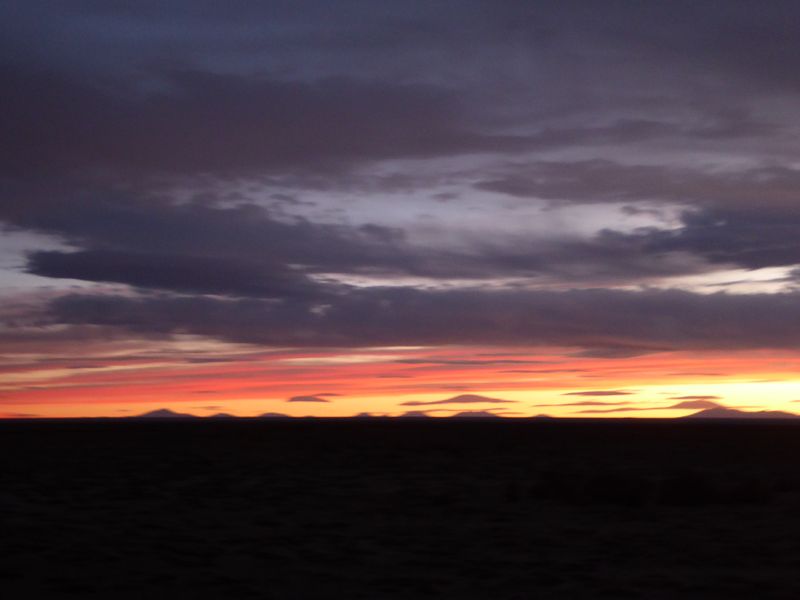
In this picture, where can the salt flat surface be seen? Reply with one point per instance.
(376, 509)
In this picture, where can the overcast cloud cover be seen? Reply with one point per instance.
(618, 177)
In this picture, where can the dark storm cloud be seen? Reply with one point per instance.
(199, 122)
(746, 238)
(251, 248)
(176, 88)
(110, 110)
(606, 258)
(746, 218)
(244, 249)
(192, 274)
(739, 40)
(654, 319)
(749, 238)
(604, 181)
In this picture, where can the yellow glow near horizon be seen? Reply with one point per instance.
(381, 380)
(649, 402)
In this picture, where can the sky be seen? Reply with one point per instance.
(573, 208)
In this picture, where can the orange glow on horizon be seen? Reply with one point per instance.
(248, 382)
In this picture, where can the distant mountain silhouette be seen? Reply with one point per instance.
(414, 414)
(722, 412)
(461, 399)
(475, 414)
(273, 415)
(222, 415)
(363, 415)
(467, 398)
(164, 413)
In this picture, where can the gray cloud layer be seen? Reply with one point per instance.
(649, 321)
(147, 142)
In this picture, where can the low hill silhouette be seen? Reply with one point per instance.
(475, 414)
(460, 399)
(722, 412)
(164, 413)
(364, 415)
(414, 414)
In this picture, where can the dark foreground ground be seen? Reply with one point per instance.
(400, 509)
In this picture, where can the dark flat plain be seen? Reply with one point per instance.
(317, 509)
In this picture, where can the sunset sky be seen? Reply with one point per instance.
(573, 208)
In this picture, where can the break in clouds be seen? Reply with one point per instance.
(359, 174)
